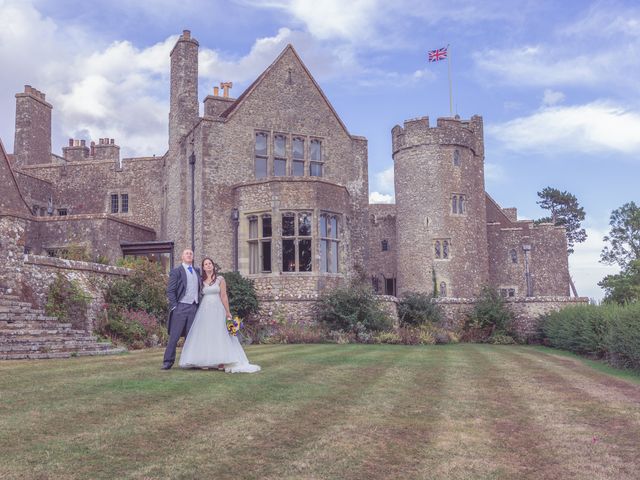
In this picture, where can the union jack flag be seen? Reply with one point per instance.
(439, 54)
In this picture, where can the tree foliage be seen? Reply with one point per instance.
(624, 287)
(566, 212)
(624, 236)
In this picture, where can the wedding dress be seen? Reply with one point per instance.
(208, 343)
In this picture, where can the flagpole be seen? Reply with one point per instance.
(450, 89)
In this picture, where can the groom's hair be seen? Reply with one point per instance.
(203, 274)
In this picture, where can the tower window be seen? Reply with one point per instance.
(441, 248)
(458, 204)
(124, 203)
(385, 245)
(443, 289)
(456, 157)
(514, 255)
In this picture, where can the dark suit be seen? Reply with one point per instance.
(181, 315)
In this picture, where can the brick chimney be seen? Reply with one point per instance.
(32, 143)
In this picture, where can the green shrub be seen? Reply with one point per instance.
(67, 301)
(501, 339)
(387, 337)
(418, 309)
(490, 313)
(580, 329)
(144, 289)
(353, 309)
(243, 299)
(623, 338)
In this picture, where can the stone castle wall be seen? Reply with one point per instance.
(99, 234)
(382, 227)
(431, 166)
(86, 187)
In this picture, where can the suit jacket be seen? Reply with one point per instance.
(177, 286)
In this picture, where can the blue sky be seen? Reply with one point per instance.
(556, 82)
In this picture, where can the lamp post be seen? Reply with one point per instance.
(192, 162)
(235, 218)
(527, 273)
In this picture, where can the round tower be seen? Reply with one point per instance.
(440, 203)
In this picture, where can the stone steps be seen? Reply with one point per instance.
(27, 333)
(47, 355)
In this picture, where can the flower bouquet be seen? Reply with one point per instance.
(233, 325)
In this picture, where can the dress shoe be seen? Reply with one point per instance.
(165, 367)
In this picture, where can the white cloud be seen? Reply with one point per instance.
(543, 65)
(591, 128)
(383, 181)
(494, 173)
(332, 18)
(584, 265)
(551, 97)
(377, 197)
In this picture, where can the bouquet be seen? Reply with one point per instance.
(233, 325)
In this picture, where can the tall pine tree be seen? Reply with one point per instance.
(565, 211)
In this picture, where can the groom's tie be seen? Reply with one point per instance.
(190, 269)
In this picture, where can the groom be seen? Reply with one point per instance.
(183, 293)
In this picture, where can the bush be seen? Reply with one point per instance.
(623, 338)
(580, 329)
(143, 289)
(418, 309)
(67, 301)
(136, 329)
(490, 314)
(298, 334)
(353, 309)
(243, 299)
(501, 339)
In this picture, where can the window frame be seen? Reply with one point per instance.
(297, 238)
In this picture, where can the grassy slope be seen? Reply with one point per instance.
(322, 411)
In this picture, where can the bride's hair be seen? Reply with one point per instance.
(204, 274)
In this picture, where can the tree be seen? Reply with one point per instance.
(624, 287)
(565, 211)
(624, 237)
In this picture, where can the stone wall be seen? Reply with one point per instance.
(99, 234)
(85, 187)
(12, 243)
(527, 312)
(36, 191)
(37, 273)
(382, 227)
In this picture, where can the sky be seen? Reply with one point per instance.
(555, 82)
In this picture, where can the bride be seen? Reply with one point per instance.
(209, 344)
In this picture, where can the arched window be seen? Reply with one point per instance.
(514, 255)
(385, 245)
(445, 249)
(437, 249)
(443, 289)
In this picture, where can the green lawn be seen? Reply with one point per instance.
(322, 411)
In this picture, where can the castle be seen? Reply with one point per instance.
(273, 184)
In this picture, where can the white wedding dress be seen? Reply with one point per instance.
(208, 343)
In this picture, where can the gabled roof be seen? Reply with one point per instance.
(289, 48)
(22, 207)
